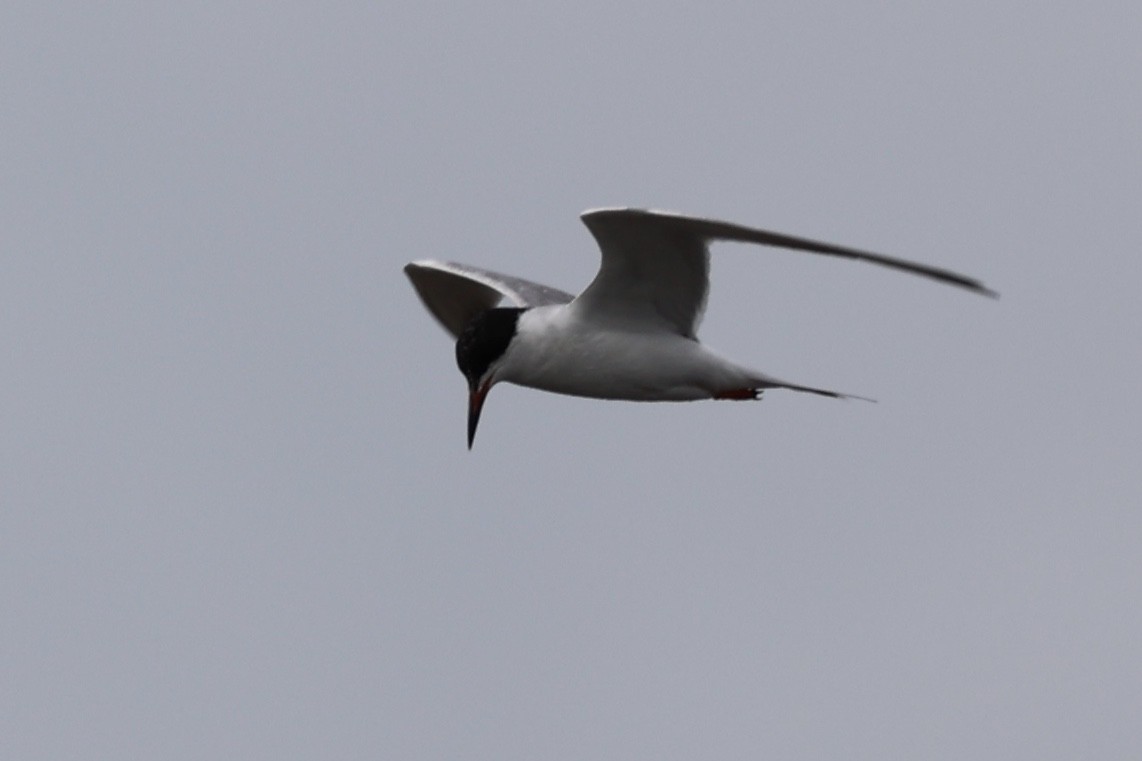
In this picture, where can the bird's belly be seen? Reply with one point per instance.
(668, 368)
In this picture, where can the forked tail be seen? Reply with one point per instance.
(764, 381)
(819, 391)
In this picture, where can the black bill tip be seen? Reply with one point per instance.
(476, 399)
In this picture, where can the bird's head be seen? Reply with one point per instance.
(480, 350)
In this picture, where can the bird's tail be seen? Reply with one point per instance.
(764, 382)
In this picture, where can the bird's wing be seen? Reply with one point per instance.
(454, 293)
(655, 265)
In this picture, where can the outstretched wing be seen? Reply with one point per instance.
(454, 293)
(655, 265)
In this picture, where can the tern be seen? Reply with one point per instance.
(632, 333)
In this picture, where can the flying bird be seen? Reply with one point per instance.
(632, 334)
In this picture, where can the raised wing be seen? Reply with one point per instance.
(655, 265)
(454, 293)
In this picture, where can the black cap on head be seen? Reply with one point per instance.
(484, 340)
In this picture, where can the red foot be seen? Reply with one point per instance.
(739, 393)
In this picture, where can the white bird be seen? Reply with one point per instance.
(632, 333)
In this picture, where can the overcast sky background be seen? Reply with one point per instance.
(238, 516)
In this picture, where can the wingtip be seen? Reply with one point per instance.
(977, 287)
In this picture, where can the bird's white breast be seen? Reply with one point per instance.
(556, 349)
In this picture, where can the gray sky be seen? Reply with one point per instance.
(238, 516)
